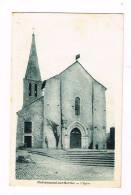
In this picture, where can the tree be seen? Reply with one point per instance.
(54, 127)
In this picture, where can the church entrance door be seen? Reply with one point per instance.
(75, 138)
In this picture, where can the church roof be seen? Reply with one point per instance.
(33, 72)
(84, 70)
(76, 62)
(28, 106)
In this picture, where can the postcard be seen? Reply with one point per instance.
(66, 108)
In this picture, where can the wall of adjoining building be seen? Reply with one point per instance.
(32, 113)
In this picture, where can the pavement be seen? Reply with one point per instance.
(47, 168)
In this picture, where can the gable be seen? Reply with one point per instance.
(78, 70)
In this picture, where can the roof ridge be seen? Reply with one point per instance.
(57, 75)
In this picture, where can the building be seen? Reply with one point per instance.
(65, 111)
(111, 139)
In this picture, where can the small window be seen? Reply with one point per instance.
(27, 127)
(77, 106)
(30, 89)
(35, 90)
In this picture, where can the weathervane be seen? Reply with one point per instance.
(77, 57)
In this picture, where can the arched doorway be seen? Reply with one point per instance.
(75, 138)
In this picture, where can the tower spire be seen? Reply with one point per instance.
(33, 72)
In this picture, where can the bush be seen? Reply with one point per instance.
(24, 159)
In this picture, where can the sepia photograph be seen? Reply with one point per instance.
(66, 99)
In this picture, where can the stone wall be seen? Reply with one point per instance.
(75, 82)
(26, 98)
(31, 113)
(99, 116)
(52, 109)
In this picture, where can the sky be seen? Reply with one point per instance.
(98, 38)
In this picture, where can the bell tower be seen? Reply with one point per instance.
(32, 81)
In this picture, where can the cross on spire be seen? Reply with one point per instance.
(33, 29)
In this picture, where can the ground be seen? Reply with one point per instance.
(46, 168)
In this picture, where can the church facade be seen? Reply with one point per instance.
(65, 111)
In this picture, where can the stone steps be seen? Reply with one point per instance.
(91, 159)
(84, 158)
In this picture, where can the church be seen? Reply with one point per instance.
(66, 111)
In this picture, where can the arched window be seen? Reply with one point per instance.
(77, 106)
(30, 89)
(35, 90)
